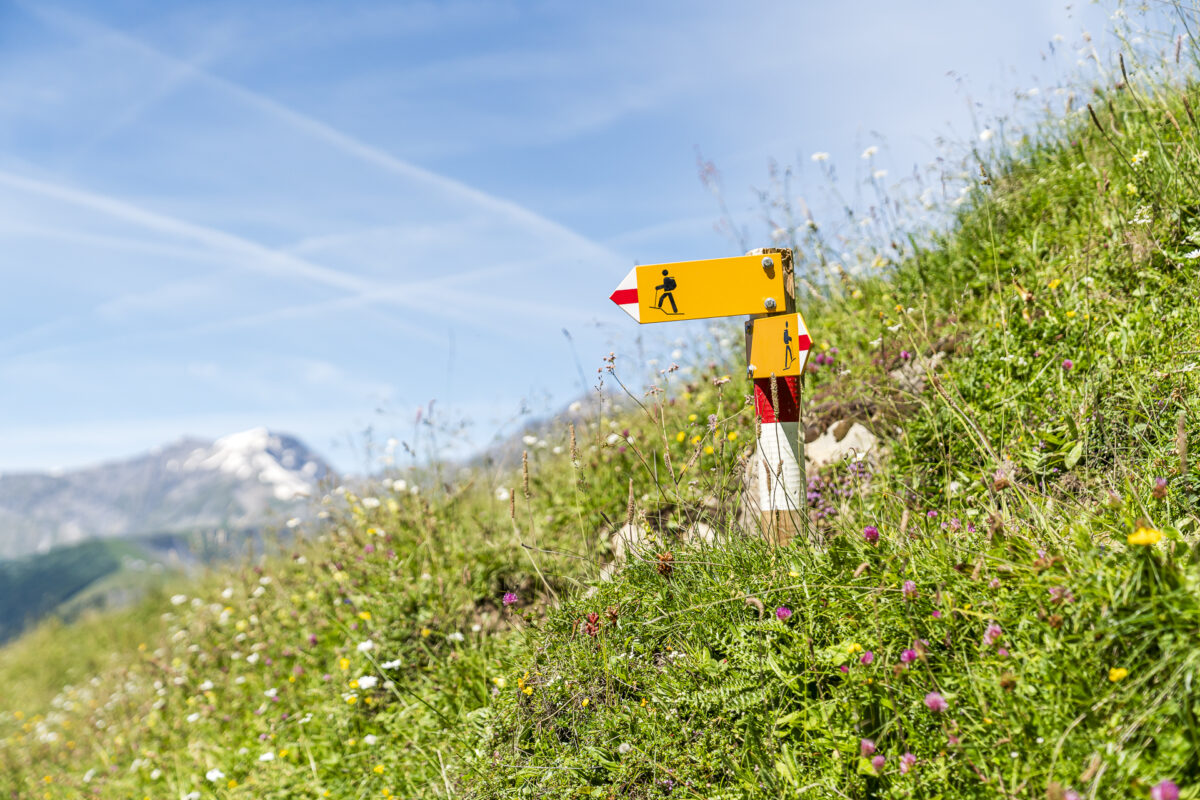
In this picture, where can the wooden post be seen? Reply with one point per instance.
(779, 455)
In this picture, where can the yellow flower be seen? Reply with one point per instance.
(1145, 536)
(353, 684)
(425, 633)
(856, 294)
(854, 647)
(364, 615)
(679, 437)
(1130, 189)
(793, 574)
(708, 451)
(232, 783)
(585, 702)
(351, 699)
(1054, 283)
(1070, 314)
(696, 439)
(732, 436)
(1139, 157)
(379, 769)
(1117, 673)
(500, 682)
(692, 417)
(528, 690)
(344, 663)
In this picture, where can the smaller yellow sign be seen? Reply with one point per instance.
(717, 287)
(779, 345)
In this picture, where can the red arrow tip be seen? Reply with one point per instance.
(624, 296)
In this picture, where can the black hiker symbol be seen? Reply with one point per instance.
(666, 287)
(787, 347)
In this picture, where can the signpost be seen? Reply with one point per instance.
(762, 284)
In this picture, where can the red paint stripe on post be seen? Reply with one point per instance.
(788, 389)
(624, 296)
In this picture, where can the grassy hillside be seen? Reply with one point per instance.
(1005, 603)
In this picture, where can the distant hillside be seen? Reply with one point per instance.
(238, 482)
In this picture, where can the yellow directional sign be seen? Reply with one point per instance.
(779, 345)
(717, 287)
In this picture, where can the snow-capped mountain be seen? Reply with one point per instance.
(239, 482)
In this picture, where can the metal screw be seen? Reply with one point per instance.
(767, 262)
(769, 304)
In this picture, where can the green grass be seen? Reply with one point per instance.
(1063, 301)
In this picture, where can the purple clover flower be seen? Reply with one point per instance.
(866, 747)
(906, 763)
(1164, 790)
(936, 703)
(908, 656)
(877, 762)
(866, 658)
(1068, 365)
(871, 534)
(910, 590)
(992, 634)
(510, 598)
(782, 613)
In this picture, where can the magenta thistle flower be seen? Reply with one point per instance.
(1068, 364)
(510, 598)
(866, 747)
(936, 703)
(906, 763)
(871, 534)
(992, 634)
(910, 590)
(1165, 790)
(937, 614)
(908, 656)
(844, 668)
(867, 657)
(878, 761)
(782, 613)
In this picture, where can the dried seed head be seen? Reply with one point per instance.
(525, 473)
(666, 564)
(512, 503)
(774, 396)
(574, 446)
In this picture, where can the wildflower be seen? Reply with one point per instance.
(820, 156)
(425, 632)
(937, 614)
(370, 739)
(1160, 488)
(178, 599)
(366, 647)
(733, 435)
(910, 590)
(931, 514)
(344, 664)
(1145, 536)
(936, 703)
(509, 598)
(870, 151)
(1164, 790)
(367, 682)
(867, 657)
(1061, 594)
(364, 615)
(879, 174)
(267, 756)
(214, 775)
(624, 748)
(866, 747)
(272, 693)
(782, 613)
(679, 437)
(986, 135)
(878, 761)
(906, 763)
(585, 701)
(992, 634)
(1131, 189)
(1068, 365)
(908, 656)
(455, 637)
(391, 664)
(871, 534)
(1117, 673)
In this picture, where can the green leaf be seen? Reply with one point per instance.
(1073, 457)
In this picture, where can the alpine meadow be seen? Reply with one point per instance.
(1000, 598)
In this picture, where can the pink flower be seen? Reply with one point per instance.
(936, 703)
(878, 761)
(992, 635)
(906, 763)
(844, 668)
(1068, 364)
(867, 657)
(994, 583)
(1071, 794)
(866, 747)
(782, 613)
(1000, 651)
(937, 614)
(910, 590)
(908, 656)
(509, 598)
(1165, 790)
(871, 534)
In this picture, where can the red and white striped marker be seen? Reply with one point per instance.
(780, 454)
(626, 295)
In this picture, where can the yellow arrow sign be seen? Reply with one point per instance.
(779, 345)
(717, 287)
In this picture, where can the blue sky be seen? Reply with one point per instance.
(319, 217)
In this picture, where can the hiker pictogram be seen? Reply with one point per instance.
(667, 289)
(788, 357)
